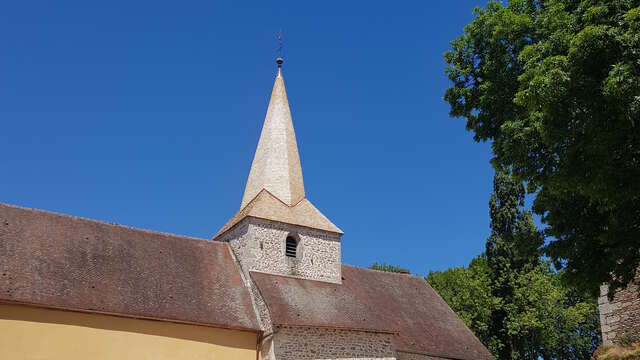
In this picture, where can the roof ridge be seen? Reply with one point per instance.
(387, 272)
(103, 222)
(390, 273)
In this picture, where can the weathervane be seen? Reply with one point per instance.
(279, 60)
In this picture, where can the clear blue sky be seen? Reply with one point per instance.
(147, 113)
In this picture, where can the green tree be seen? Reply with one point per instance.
(553, 322)
(511, 251)
(549, 320)
(514, 302)
(555, 86)
(468, 292)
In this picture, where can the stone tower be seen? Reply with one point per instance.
(277, 230)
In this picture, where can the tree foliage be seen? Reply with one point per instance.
(515, 302)
(468, 292)
(555, 86)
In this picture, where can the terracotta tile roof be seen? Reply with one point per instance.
(376, 301)
(60, 261)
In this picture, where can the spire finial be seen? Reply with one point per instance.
(279, 60)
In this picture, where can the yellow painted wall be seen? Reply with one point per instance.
(36, 333)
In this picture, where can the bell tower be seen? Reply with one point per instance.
(277, 230)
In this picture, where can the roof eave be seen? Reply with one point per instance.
(256, 330)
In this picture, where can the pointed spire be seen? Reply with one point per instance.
(275, 189)
(276, 164)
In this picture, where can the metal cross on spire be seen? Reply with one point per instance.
(280, 44)
(279, 60)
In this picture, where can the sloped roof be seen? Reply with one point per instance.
(375, 301)
(275, 187)
(266, 206)
(66, 262)
(276, 163)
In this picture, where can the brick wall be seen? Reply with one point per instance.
(620, 316)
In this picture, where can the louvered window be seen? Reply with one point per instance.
(291, 246)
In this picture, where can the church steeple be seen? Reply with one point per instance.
(276, 164)
(275, 188)
(277, 229)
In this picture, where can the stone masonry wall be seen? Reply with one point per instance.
(259, 245)
(240, 234)
(305, 343)
(620, 317)
(239, 238)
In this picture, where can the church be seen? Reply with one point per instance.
(269, 285)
